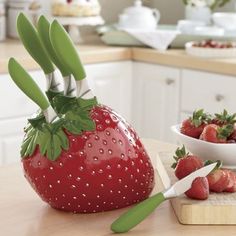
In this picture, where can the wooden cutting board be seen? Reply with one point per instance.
(218, 209)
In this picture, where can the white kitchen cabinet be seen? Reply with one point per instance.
(210, 91)
(15, 108)
(112, 84)
(155, 100)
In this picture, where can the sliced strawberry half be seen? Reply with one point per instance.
(199, 189)
(231, 187)
(218, 180)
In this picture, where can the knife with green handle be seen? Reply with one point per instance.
(137, 214)
(67, 53)
(43, 31)
(34, 46)
(25, 82)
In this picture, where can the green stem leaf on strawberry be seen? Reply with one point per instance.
(50, 138)
(194, 125)
(76, 113)
(224, 118)
(225, 131)
(209, 162)
(179, 153)
(51, 94)
(185, 163)
(199, 117)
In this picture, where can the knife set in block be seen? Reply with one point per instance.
(78, 155)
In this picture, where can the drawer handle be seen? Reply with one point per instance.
(170, 81)
(219, 97)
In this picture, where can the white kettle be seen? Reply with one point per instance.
(139, 17)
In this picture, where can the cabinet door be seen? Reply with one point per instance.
(112, 84)
(11, 137)
(15, 103)
(15, 108)
(213, 92)
(155, 100)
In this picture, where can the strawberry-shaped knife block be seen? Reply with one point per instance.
(78, 155)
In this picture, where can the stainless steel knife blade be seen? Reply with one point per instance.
(185, 184)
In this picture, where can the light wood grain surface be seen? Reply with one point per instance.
(22, 213)
(99, 53)
(89, 54)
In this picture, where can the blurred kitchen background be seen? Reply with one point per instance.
(171, 10)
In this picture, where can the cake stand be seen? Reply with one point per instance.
(73, 24)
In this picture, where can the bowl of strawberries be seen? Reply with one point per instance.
(211, 137)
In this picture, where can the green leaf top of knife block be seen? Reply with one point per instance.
(43, 30)
(51, 138)
(32, 43)
(66, 50)
(24, 81)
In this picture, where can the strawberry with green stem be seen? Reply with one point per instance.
(193, 126)
(224, 118)
(184, 165)
(217, 134)
(89, 159)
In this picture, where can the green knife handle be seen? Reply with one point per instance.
(24, 81)
(32, 43)
(137, 214)
(66, 50)
(43, 31)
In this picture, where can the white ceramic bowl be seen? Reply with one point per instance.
(206, 150)
(210, 52)
(225, 20)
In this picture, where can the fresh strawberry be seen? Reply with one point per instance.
(231, 183)
(101, 170)
(218, 180)
(185, 163)
(199, 189)
(193, 126)
(231, 188)
(224, 118)
(216, 134)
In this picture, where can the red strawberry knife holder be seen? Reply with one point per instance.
(78, 155)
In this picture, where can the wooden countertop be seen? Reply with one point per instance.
(22, 213)
(101, 53)
(88, 53)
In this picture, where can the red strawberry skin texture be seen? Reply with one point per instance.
(189, 129)
(103, 170)
(199, 189)
(231, 178)
(209, 134)
(187, 165)
(218, 180)
(231, 188)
